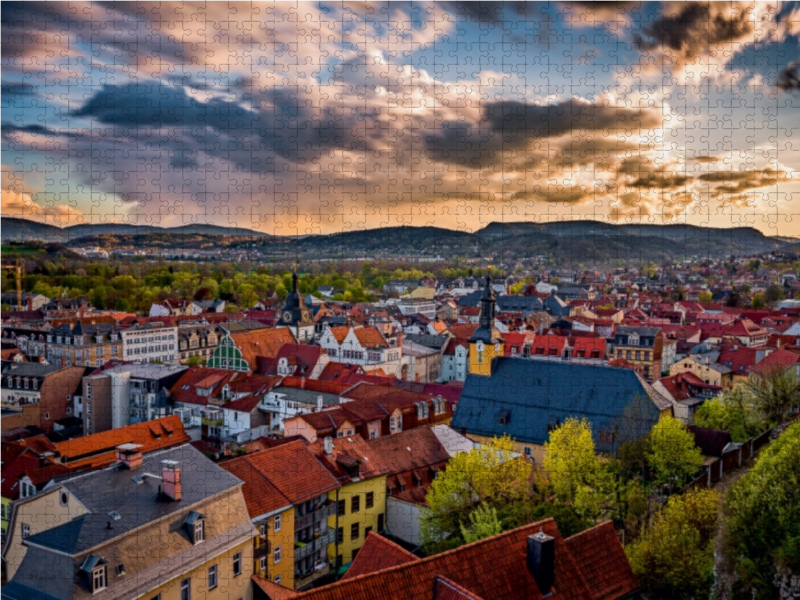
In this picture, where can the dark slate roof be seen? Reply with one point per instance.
(536, 394)
(17, 591)
(428, 340)
(113, 489)
(710, 441)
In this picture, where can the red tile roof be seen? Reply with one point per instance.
(293, 470)
(336, 371)
(777, 361)
(99, 449)
(599, 556)
(185, 389)
(13, 470)
(352, 449)
(412, 449)
(370, 337)
(260, 495)
(493, 568)
(272, 589)
(261, 342)
(378, 554)
(445, 589)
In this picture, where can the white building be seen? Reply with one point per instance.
(455, 361)
(149, 343)
(418, 306)
(364, 346)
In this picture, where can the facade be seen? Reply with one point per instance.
(363, 346)
(705, 367)
(150, 342)
(239, 351)
(641, 346)
(49, 386)
(197, 340)
(418, 306)
(92, 545)
(83, 345)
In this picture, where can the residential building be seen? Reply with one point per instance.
(308, 486)
(420, 362)
(150, 342)
(364, 346)
(239, 351)
(706, 368)
(49, 386)
(297, 395)
(687, 392)
(533, 561)
(92, 542)
(418, 306)
(455, 360)
(641, 346)
(300, 360)
(174, 307)
(83, 345)
(197, 339)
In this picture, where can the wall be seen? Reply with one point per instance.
(96, 404)
(402, 520)
(283, 538)
(55, 388)
(23, 416)
(365, 517)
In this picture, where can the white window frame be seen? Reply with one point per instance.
(199, 532)
(99, 579)
(278, 522)
(213, 577)
(277, 555)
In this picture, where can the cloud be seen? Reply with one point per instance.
(737, 182)
(20, 204)
(789, 78)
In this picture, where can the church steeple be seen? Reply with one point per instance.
(486, 343)
(295, 314)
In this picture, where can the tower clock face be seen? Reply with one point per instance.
(306, 316)
(287, 316)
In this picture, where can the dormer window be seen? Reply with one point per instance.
(199, 532)
(503, 417)
(95, 569)
(195, 527)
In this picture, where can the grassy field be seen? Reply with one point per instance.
(8, 249)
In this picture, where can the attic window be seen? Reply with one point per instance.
(195, 527)
(120, 569)
(115, 515)
(503, 417)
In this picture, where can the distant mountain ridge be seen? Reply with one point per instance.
(590, 242)
(15, 229)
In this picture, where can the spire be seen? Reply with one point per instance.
(485, 330)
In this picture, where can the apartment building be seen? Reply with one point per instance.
(150, 342)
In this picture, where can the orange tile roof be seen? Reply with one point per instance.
(99, 449)
(260, 495)
(262, 342)
(378, 554)
(493, 568)
(445, 589)
(370, 337)
(273, 590)
(293, 470)
(340, 333)
(601, 561)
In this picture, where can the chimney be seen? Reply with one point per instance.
(129, 455)
(319, 403)
(328, 442)
(541, 560)
(171, 479)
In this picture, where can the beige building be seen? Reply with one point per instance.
(170, 525)
(704, 367)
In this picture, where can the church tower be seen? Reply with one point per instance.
(485, 343)
(295, 315)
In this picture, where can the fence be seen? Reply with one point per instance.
(730, 461)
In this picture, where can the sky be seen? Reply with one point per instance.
(303, 118)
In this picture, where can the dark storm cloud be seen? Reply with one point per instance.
(491, 12)
(693, 28)
(789, 78)
(17, 89)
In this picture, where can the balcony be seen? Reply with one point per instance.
(304, 579)
(262, 549)
(304, 549)
(211, 421)
(322, 512)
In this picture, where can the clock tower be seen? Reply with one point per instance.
(295, 315)
(485, 343)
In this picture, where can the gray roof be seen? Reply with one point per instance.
(644, 331)
(426, 339)
(306, 396)
(31, 369)
(113, 489)
(541, 393)
(145, 370)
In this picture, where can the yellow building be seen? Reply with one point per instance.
(703, 367)
(486, 343)
(170, 525)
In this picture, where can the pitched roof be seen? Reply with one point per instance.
(293, 470)
(376, 554)
(13, 469)
(779, 361)
(340, 333)
(260, 495)
(272, 589)
(262, 342)
(710, 441)
(493, 568)
(349, 450)
(370, 337)
(410, 449)
(99, 449)
(185, 389)
(601, 561)
(537, 394)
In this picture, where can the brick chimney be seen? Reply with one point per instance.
(129, 455)
(328, 444)
(541, 560)
(171, 479)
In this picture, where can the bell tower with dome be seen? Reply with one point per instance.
(486, 343)
(295, 315)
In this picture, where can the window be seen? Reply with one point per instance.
(340, 535)
(262, 531)
(156, 597)
(237, 563)
(262, 563)
(366, 531)
(212, 577)
(370, 500)
(527, 450)
(199, 532)
(120, 569)
(64, 499)
(278, 523)
(276, 555)
(355, 531)
(99, 579)
(186, 591)
(277, 579)
(341, 508)
(355, 504)
(26, 531)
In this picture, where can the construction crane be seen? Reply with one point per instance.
(19, 269)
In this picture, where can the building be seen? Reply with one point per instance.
(294, 471)
(705, 367)
(93, 544)
(174, 307)
(418, 306)
(83, 345)
(486, 343)
(197, 339)
(49, 386)
(296, 395)
(363, 346)
(530, 562)
(641, 346)
(295, 315)
(151, 342)
(126, 394)
(526, 399)
(239, 351)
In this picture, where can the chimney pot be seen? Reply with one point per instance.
(328, 443)
(171, 479)
(541, 560)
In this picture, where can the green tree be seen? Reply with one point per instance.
(775, 393)
(571, 461)
(773, 294)
(483, 523)
(673, 456)
(758, 301)
(733, 411)
(675, 557)
(704, 297)
(195, 361)
(761, 534)
(122, 305)
(492, 473)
